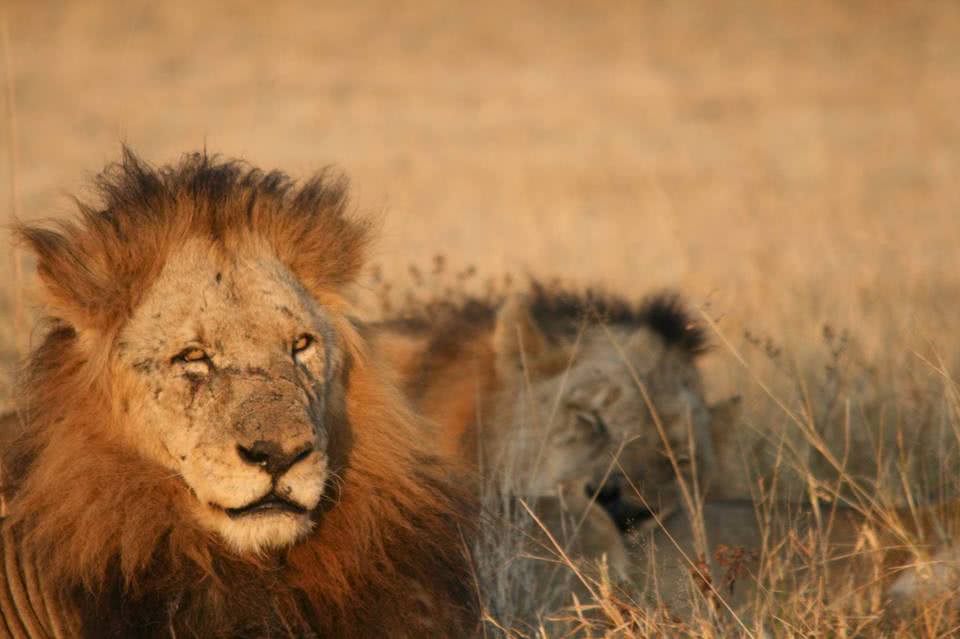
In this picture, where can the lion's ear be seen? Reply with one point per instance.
(644, 348)
(76, 283)
(517, 340)
(724, 416)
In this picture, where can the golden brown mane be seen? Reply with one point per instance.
(107, 528)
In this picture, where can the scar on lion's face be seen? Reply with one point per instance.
(234, 383)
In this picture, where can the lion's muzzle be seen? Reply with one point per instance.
(273, 456)
(276, 431)
(262, 476)
(625, 511)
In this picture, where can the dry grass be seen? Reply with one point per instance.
(808, 571)
(793, 167)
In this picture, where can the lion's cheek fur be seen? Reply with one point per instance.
(142, 422)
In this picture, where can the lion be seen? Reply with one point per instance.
(649, 459)
(555, 386)
(570, 402)
(548, 404)
(209, 448)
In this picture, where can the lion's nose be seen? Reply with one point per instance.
(271, 456)
(606, 494)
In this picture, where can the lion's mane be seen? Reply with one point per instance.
(107, 529)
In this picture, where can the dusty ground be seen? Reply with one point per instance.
(788, 165)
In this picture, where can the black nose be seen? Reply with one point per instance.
(607, 494)
(271, 457)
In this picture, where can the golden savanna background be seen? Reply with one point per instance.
(793, 168)
(786, 165)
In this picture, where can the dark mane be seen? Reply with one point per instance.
(132, 192)
(560, 312)
(96, 266)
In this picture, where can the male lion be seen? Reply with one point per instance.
(208, 448)
(559, 399)
(554, 386)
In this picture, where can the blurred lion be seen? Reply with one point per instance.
(556, 396)
(586, 408)
(553, 387)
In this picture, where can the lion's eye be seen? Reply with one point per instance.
(191, 355)
(587, 418)
(302, 343)
(592, 420)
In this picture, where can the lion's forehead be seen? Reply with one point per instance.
(243, 304)
(606, 384)
(603, 382)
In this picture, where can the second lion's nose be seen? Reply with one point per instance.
(272, 457)
(606, 494)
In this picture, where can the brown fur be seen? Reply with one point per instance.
(11, 427)
(109, 529)
(447, 370)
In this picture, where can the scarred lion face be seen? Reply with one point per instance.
(232, 378)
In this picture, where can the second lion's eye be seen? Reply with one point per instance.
(302, 343)
(591, 421)
(587, 418)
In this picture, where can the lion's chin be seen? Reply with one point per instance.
(262, 532)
